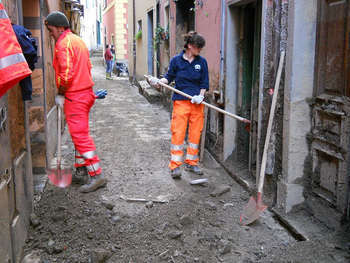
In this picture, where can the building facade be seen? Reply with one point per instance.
(115, 27)
(91, 24)
(307, 156)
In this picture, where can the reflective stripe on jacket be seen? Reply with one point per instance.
(72, 63)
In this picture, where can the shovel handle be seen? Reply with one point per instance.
(59, 123)
(206, 104)
(269, 125)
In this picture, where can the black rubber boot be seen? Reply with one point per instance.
(176, 173)
(94, 183)
(194, 169)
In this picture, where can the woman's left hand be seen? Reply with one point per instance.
(197, 99)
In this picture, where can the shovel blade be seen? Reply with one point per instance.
(252, 211)
(60, 177)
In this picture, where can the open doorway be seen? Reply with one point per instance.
(185, 18)
(242, 82)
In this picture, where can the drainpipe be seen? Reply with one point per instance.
(20, 12)
(44, 76)
(222, 48)
(261, 86)
(134, 43)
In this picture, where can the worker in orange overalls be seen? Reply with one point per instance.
(75, 94)
(190, 72)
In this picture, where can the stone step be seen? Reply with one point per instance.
(152, 95)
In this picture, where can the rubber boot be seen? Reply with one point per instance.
(94, 183)
(110, 76)
(107, 75)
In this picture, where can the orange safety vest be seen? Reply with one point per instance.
(13, 65)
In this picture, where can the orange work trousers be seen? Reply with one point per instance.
(77, 106)
(185, 114)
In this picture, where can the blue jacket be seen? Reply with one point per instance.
(189, 77)
(29, 49)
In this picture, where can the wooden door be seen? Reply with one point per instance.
(332, 59)
(331, 124)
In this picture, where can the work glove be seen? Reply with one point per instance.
(197, 99)
(100, 94)
(59, 99)
(153, 81)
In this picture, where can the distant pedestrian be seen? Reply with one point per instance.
(114, 57)
(190, 72)
(75, 94)
(109, 61)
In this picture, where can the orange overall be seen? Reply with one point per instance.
(13, 65)
(185, 113)
(73, 72)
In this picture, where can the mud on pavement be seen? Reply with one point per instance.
(196, 223)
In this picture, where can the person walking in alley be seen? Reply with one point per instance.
(72, 66)
(114, 57)
(190, 72)
(109, 62)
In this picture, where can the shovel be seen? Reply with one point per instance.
(255, 207)
(204, 103)
(60, 177)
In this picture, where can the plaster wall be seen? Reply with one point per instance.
(231, 83)
(141, 11)
(109, 24)
(121, 30)
(207, 23)
(298, 88)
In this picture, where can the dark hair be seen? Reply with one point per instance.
(195, 39)
(107, 46)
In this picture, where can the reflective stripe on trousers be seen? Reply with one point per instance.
(186, 114)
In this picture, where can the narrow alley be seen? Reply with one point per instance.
(183, 223)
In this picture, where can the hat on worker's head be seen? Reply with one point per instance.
(57, 18)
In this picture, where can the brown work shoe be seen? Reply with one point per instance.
(193, 168)
(94, 183)
(80, 176)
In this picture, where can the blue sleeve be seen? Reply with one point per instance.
(171, 74)
(204, 84)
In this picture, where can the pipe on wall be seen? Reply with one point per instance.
(134, 43)
(222, 48)
(44, 76)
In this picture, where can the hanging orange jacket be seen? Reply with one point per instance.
(72, 63)
(13, 65)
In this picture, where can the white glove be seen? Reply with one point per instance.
(59, 99)
(153, 81)
(197, 99)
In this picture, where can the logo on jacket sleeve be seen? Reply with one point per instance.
(197, 67)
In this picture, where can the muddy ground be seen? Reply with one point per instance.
(195, 223)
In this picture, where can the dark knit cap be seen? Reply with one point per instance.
(57, 18)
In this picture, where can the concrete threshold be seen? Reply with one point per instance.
(283, 219)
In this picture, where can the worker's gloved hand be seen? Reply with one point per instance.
(197, 99)
(100, 94)
(59, 99)
(153, 81)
